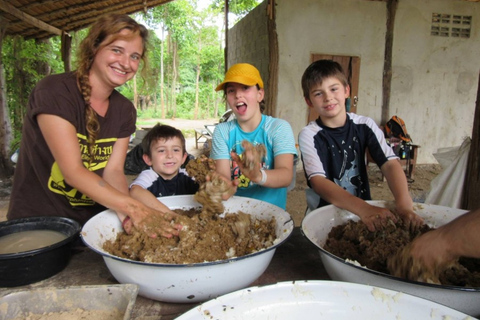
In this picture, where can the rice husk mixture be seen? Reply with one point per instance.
(206, 235)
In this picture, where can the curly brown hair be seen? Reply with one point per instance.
(102, 33)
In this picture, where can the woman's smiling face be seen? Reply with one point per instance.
(118, 62)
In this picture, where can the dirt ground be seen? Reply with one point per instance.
(296, 201)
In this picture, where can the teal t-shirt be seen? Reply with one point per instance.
(277, 136)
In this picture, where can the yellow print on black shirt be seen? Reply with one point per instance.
(101, 153)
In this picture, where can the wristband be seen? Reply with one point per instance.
(125, 221)
(264, 177)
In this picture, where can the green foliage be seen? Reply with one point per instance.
(192, 40)
(239, 7)
(25, 63)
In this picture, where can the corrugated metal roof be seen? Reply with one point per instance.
(39, 19)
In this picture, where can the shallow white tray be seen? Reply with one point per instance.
(320, 300)
(119, 297)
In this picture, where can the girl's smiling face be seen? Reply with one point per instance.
(244, 100)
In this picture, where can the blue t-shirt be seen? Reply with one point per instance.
(277, 136)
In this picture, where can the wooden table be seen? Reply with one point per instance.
(201, 133)
(296, 259)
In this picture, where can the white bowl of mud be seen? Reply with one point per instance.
(318, 223)
(188, 283)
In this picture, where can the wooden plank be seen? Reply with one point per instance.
(28, 18)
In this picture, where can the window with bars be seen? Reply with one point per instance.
(451, 25)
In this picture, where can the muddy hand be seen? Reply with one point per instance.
(403, 265)
(212, 193)
(252, 155)
(411, 220)
(424, 259)
(158, 223)
(250, 161)
(220, 186)
(377, 218)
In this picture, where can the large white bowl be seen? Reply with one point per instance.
(318, 223)
(190, 282)
(327, 300)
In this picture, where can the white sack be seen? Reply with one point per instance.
(447, 187)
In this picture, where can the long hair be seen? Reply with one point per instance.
(102, 33)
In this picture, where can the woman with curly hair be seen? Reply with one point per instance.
(76, 134)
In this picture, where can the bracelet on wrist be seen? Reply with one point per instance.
(264, 177)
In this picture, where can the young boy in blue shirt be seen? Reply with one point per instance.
(165, 152)
(334, 149)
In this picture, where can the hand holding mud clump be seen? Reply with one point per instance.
(200, 168)
(251, 159)
(213, 187)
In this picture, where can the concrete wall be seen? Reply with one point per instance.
(434, 81)
(248, 42)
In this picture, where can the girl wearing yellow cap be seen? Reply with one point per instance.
(268, 178)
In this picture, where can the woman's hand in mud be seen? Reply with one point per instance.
(154, 223)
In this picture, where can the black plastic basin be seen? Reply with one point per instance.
(22, 268)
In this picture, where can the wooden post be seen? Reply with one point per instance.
(272, 90)
(387, 64)
(470, 198)
(66, 51)
(227, 9)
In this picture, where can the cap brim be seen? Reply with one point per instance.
(237, 79)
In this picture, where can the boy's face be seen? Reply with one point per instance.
(167, 157)
(328, 99)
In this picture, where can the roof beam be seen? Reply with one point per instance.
(28, 18)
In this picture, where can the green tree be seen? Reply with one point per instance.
(238, 7)
(26, 63)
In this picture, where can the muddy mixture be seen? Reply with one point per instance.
(206, 235)
(353, 241)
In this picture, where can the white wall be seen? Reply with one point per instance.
(434, 79)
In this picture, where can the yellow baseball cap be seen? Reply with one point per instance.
(243, 73)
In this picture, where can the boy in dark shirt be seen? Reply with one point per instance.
(334, 150)
(164, 152)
